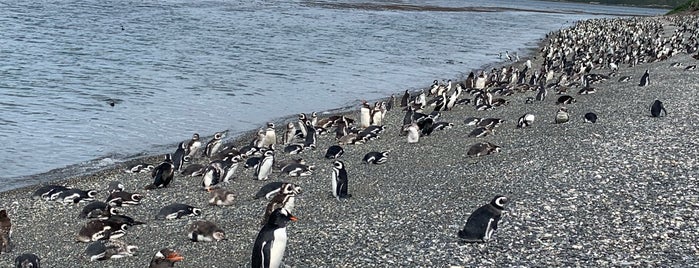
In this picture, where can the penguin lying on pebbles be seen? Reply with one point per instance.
(27, 260)
(525, 120)
(376, 158)
(97, 209)
(482, 148)
(101, 230)
(205, 231)
(165, 258)
(119, 199)
(115, 186)
(5, 232)
(590, 118)
(334, 152)
(176, 211)
(75, 196)
(49, 192)
(140, 168)
(565, 99)
(105, 250)
(271, 189)
(270, 243)
(221, 197)
(483, 222)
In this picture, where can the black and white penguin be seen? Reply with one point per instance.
(561, 116)
(390, 102)
(483, 222)
(270, 135)
(657, 109)
(587, 91)
(376, 157)
(270, 243)
(294, 148)
(565, 99)
(194, 170)
(118, 220)
(165, 258)
(624, 79)
(285, 198)
(213, 174)
(193, 145)
(5, 232)
(123, 198)
(97, 209)
(27, 260)
(289, 134)
(311, 136)
(75, 196)
(645, 79)
(162, 175)
(364, 115)
(264, 169)
(525, 120)
(413, 132)
(480, 132)
(482, 148)
(339, 180)
(115, 186)
(112, 249)
(100, 230)
(271, 189)
(176, 211)
(214, 144)
(140, 168)
(405, 99)
(334, 152)
(221, 197)
(180, 156)
(490, 123)
(472, 121)
(690, 67)
(205, 231)
(297, 170)
(442, 125)
(590, 118)
(49, 192)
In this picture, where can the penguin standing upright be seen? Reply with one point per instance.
(270, 135)
(413, 133)
(405, 99)
(562, 115)
(657, 108)
(289, 134)
(193, 145)
(180, 156)
(214, 144)
(339, 180)
(270, 243)
(484, 221)
(311, 136)
(264, 169)
(5, 232)
(364, 115)
(162, 175)
(645, 79)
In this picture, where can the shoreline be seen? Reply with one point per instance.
(604, 194)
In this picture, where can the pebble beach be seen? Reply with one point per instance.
(618, 192)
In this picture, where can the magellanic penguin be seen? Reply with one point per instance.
(561, 116)
(285, 198)
(205, 231)
(75, 196)
(364, 115)
(590, 118)
(645, 79)
(339, 180)
(482, 148)
(270, 135)
(565, 99)
(140, 168)
(115, 186)
(97, 209)
(180, 156)
(101, 230)
(221, 197)
(264, 169)
(413, 132)
(27, 260)
(271, 189)
(162, 175)
(112, 249)
(120, 199)
(334, 152)
(376, 158)
(176, 211)
(483, 222)
(657, 109)
(49, 192)
(165, 258)
(289, 134)
(270, 244)
(193, 145)
(214, 144)
(5, 232)
(525, 120)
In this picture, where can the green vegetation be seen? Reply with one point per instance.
(689, 6)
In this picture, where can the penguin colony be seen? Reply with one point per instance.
(573, 59)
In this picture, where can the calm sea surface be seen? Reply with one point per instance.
(178, 67)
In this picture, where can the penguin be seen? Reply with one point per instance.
(480, 132)
(525, 120)
(140, 168)
(657, 109)
(221, 197)
(270, 135)
(162, 175)
(5, 232)
(472, 121)
(587, 91)
(289, 134)
(310, 139)
(104, 250)
(690, 67)
(264, 169)
(180, 156)
(213, 174)
(390, 102)
(376, 115)
(205, 231)
(252, 162)
(364, 115)
(165, 258)
(483, 222)
(285, 198)
(565, 99)
(442, 125)
(645, 79)
(176, 211)
(482, 148)
(405, 99)
(270, 243)
(259, 141)
(115, 186)
(27, 260)
(279, 165)
(541, 94)
(298, 170)
(193, 170)
(119, 199)
(100, 230)
(75, 196)
(193, 146)
(271, 189)
(376, 157)
(214, 144)
(624, 79)
(301, 132)
(561, 116)
(49, 192)
(490, 123)
(119, 220)
(339, 180)
(294, 148)
(334, 152)
(590, 118)
(97, 209)
(413, 133)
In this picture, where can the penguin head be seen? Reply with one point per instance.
(499, 201)
(113, 211)
(218, 135)
(166, 255)
(92, 193)
(131, 249)
(168, 158)
(195, 137)
(290, 125)
(290, 188)
(270, 125)
(280, 217)
(136, 197)
(337, 164)
(219, 235)
(196, 211)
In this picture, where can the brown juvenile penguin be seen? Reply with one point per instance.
(5, 232)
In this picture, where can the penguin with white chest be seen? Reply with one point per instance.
(657, 109)
(205, 231)
(339, 180)
(645, 79)
(483, 222)
(264, 169)
(162, 175)
(285, 198)
(270, 244)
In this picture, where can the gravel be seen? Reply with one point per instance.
(621, 192)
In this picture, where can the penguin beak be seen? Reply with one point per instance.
(175, 257)
(292, 218)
